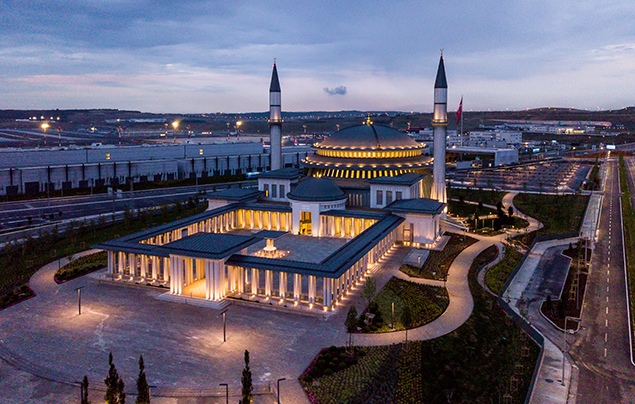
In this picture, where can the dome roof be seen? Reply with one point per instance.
(369, 137)
(317, 190)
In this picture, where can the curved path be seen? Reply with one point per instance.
(182, 345)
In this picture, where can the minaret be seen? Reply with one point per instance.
(275, 120)
(440, 124)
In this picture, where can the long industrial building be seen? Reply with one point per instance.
(35, 170)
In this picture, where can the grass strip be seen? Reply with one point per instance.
(497, 275)
(628, 218)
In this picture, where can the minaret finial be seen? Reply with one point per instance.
(441, 52)
(274, 61)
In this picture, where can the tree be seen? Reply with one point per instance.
(370, 289)
(114, 385)
(406, 320)
(84, 393)
(143, 393)
(351, 324)
(510, 211)
(248, 397)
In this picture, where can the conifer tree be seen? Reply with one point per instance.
(114, 385)
(84, 398)
(143, 393)
(248, 398)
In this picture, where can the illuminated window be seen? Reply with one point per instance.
(200, 151)
(107, 156)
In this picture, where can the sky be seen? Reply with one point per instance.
(195, 56)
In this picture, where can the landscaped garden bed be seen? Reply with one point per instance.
(487, 359)
(81, 266)
(425, 302)
(497, 275)
(438, 263)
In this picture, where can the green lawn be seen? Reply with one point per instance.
(497, 275)
(476, 195)
(438, 262)
(559, 213)
(628, 216)
(426, 303)
(477, 363)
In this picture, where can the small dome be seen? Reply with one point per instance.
(369, 137)
(317, 190)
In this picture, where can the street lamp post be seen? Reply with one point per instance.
(278, 382)
(79, 300)
(224, 313)
(564, 337)
(175, 125)
(392, 315)
(45, 126)
(226, 392)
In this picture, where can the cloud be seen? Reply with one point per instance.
(341, 90)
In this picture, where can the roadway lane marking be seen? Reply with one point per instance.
(607, 289)
(607, 299)
(607, 310)
(605, 352)
(606, 323)
(606, 336)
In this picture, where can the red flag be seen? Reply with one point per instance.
(459, 112)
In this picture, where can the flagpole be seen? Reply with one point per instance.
(462, 120)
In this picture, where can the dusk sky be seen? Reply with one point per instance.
(194, 56)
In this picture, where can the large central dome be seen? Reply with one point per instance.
(366, 151)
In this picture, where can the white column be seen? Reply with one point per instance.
(111, 263)
(268, 283)
(283, 285)
(155, 264)
(326, 290)
(297, 287)
(144, 265)
(132, 258)
(312, 288)
(209, 280)
(255, 279)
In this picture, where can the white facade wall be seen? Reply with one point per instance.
(425, 228)
(407, 192)
(282, 188)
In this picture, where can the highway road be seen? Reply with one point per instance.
(602, 347)
(15, 215)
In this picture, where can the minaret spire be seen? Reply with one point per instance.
(440, 124)
(275, 120)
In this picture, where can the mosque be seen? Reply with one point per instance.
(307, 235)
